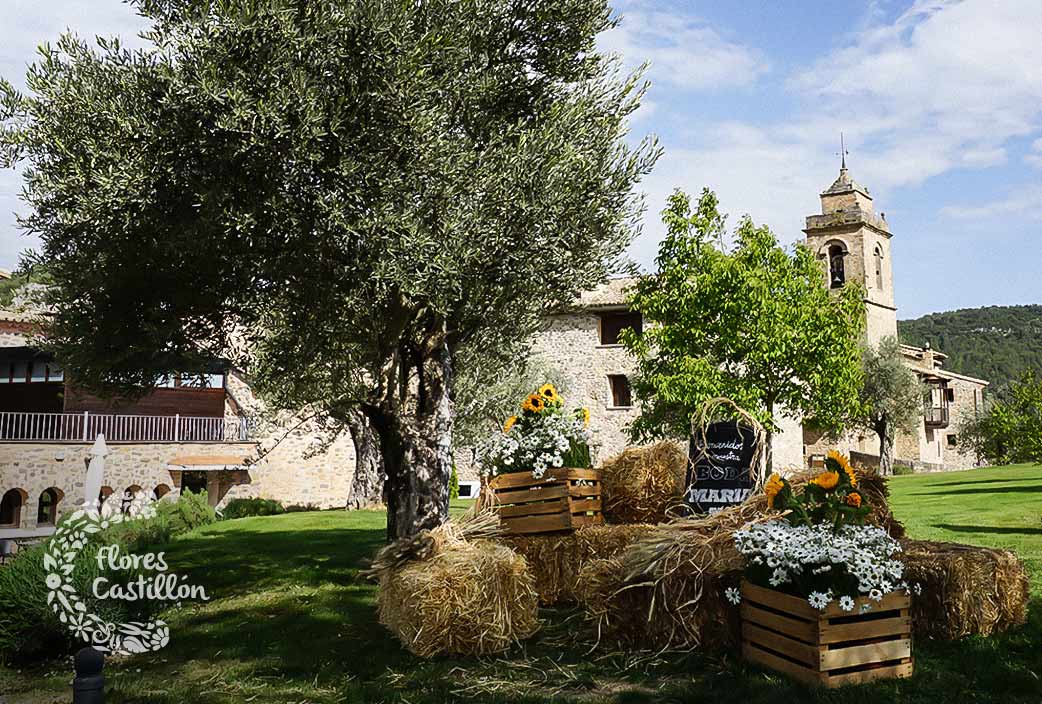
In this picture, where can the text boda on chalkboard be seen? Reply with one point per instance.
(720, 473)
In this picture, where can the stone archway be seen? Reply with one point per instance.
(11, 506)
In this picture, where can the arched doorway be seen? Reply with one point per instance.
(11, 508)
(47, 512)
(104, 494)
(161, 491)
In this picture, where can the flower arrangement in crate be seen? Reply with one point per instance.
(542, 436)
(541, 480)
(823, 596)
(821, 549)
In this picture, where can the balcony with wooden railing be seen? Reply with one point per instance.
(936, 416)
(20, 426)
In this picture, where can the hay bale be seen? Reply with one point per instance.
(556, 559)
(665, 590)
(676, 614)
(644, 484)
(965, 590)
(446, 591)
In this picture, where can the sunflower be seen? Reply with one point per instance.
(534, 403)
(548, 392)
(853, 499)
(826, 480)
(509, 424)
(844, 464)
(774, 485)
(584, 414)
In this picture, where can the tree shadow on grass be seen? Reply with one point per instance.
(941, 490)
(997, 530)
(986, 481)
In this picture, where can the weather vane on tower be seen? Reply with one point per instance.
(842, 152)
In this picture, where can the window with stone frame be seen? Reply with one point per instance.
(621, 395)
(612, 323)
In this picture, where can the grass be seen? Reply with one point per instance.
(288, 621)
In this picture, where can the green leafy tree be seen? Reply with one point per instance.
(1010, 430)
(891, 398)
(751, 322)
(340, 197)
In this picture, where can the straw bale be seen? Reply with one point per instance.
(964, 590)
(555, 559)
(453, 590)
(644, 484)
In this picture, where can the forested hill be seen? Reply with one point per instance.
(997, 343)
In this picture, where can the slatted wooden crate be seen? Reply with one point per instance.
(563, 499)
(831, 647)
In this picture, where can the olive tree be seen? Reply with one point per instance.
(339, 196)
(891, 398)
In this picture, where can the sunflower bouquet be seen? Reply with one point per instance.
(542, 436)
(820, 549)
(832, 497)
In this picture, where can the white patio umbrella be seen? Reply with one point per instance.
(95, 473)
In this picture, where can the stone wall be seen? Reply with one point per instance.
(571, 343)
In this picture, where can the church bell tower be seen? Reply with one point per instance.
(854, 243)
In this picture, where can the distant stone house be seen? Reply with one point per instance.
(197, 431)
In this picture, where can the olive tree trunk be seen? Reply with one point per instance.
(416, 444)
(367, 486)
(886, 448)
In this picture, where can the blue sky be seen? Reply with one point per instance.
(940, 101)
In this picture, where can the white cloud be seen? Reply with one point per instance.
(682, 50)
(947, 85)
(944, 86)
(1024, 202)
(751, 170)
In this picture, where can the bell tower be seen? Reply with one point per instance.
(854, 243)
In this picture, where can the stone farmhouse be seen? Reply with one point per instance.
(200, 429)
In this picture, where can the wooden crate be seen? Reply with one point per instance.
(831, 647)
(563, 499)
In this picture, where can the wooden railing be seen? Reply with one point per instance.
(85, 427)
(936, 416)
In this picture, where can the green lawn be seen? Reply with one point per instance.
(290, 622)
(995, 507)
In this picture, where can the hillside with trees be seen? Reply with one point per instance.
(997, 343)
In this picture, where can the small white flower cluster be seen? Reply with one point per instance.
(863, 552)
(542, 447)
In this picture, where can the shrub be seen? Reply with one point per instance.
(241, 508)
(900, 469)
(30, 631)
(302, 508)
(454, 483)
(187, 513)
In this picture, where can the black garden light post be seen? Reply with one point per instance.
(89, 685)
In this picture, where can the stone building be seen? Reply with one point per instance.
(200, 430)
(853, 243)
(582, 343)
(197, 431)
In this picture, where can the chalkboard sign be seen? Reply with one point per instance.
(720, 474)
